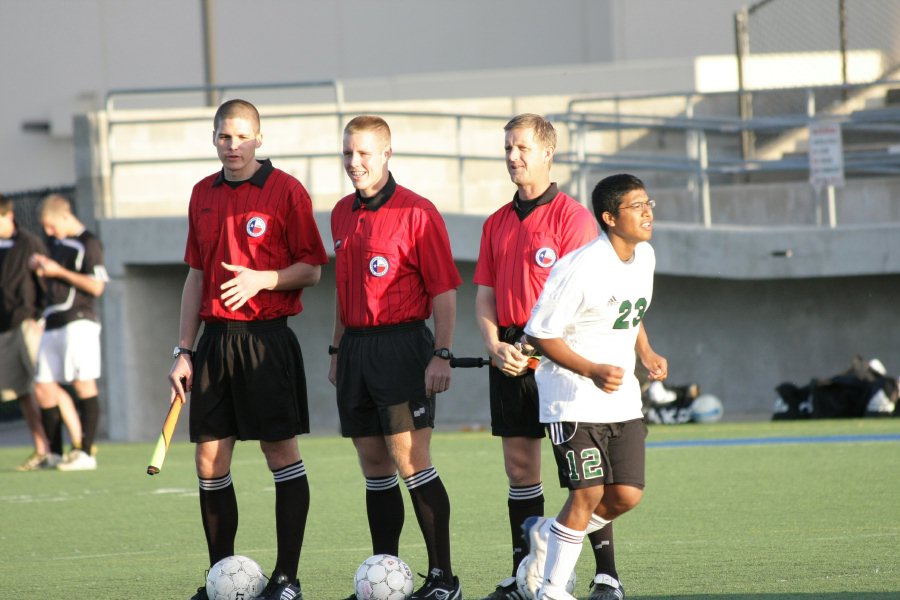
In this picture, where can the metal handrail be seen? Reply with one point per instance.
(695, 161)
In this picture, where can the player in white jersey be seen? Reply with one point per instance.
(588, 324)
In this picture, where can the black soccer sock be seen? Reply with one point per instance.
(219, 511)
(52, 421)
(524, 501)
(432, 506)
(604, 550)
(90, 416)
(384, 507)
(291, 510)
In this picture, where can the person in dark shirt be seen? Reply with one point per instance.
(20, 328)
(70, 346)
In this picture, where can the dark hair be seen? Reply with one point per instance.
(6, 204)
(236, 108)
(608, 194)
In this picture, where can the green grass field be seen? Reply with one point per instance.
(760, 521)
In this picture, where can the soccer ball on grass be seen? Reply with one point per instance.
(528, 579)
(235, 578)
(383, 577)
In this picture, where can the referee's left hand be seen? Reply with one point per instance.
(245, 285)
(437, 376)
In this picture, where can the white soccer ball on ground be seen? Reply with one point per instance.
(383, 577)
(528, 579)
(235, 578)
(706, 408)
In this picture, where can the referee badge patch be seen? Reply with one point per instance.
(379, 266)
(545, 257)
(256, 226)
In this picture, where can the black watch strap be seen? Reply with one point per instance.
(332, 350)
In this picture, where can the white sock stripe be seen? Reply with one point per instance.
(421, 478)
(526, 493)
(379, 484)
(566, 535)
(294, 471)
(596, 523)
(219, 483)
(607, 580)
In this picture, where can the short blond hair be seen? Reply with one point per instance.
(236, 108)
(55, 204)
(372, 123)
(544, 132)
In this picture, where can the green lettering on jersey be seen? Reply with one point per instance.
(625, 311)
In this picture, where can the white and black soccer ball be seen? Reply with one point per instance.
(528, 579)
(235, 578)
(383, 577)
(706, 408)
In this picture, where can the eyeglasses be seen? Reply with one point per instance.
(640, 206)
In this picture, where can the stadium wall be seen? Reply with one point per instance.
(737, 327)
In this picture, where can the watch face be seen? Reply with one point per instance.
(442, 353)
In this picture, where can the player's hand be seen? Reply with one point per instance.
(181, 378)
(657, 366)
(244, 285)
(607, 377)
(332, 371)
(437, 376)
(508, 359)
(44, 266)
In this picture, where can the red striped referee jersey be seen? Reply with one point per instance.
(266, 223)
(518, 250)
(392, 256)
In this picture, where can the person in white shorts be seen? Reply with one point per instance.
(70, 347)
(589, 325)
(21, 299)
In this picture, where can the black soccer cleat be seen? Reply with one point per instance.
(435, 588)
(280, 587)
(604, 587)
(507, 590)
(201, 594)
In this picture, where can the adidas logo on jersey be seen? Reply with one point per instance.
(612, 301)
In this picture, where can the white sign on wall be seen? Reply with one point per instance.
(826, 155)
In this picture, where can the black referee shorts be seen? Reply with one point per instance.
(514, 405)
(514, 400)
(381, 380)
(249, 382)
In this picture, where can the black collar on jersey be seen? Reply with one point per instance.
(379, 199)
(258, 179)
(524, 208)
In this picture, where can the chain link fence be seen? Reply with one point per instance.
(27, 204)
(811, 42)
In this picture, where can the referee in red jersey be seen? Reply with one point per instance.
(252, 246)
(520, 243)
(393, 267)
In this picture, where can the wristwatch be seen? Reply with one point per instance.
(443, 353)
(332, 350)
(179, 350)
